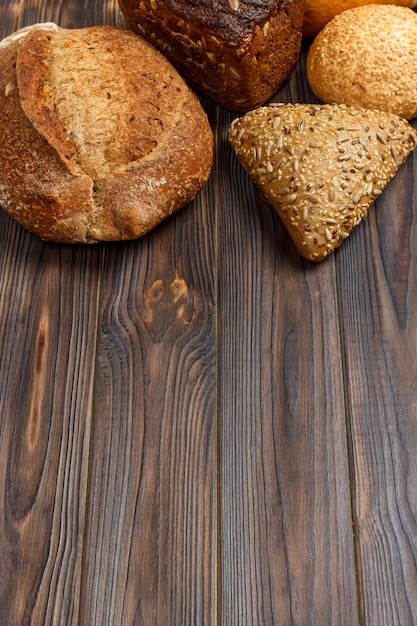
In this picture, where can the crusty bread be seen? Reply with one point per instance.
(321, 166)
(367, 56)
(238, 52)
(319, 12)
(101, 138)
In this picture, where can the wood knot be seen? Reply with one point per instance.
(164, 305)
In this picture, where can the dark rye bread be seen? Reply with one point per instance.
(238, 52)
(101, 137)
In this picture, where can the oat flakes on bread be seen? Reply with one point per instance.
(238, 52)
(321, 166)
(101, 138)
(367, 56)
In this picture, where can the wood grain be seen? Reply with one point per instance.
(287, 542)
(47, 373)
(199, 427)
(153, 515)
(381, 342)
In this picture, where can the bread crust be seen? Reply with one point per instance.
(238, 52)
(102, 139)
(318, 13)
(321, 166)
(367, 56)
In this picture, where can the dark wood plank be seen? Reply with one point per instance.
(287, 545)
(48, 314)
(68, 14)
(378, 308)
(201, 428)
(151, 546)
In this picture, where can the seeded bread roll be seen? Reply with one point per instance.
(101, 139)
(367, 56)
(238, 52)
(321, 166)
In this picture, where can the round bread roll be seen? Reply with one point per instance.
(367, 57)
(319, 12)
(101, 137)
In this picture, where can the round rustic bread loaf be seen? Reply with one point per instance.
(367, 56)
(319, 12)
(101, 137)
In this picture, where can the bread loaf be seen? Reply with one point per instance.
(367, 56)
(101, 138)
(321, 166)
(238, 52)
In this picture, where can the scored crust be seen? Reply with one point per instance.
(321, 166)
(101, 138)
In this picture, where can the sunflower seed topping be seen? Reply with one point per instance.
(321, 166)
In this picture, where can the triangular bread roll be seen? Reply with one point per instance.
(321, 166)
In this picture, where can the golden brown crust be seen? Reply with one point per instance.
(102, 137)
(321, 166)
(239, 52)
(367, 56)
(318, 13)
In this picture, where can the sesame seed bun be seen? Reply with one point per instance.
(319, 12)
(367, 56)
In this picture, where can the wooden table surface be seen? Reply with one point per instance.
(245, 455)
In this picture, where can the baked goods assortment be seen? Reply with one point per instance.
(319, 12)
(367, 56)
(238, 52)
(321, 166)
(101, 137)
